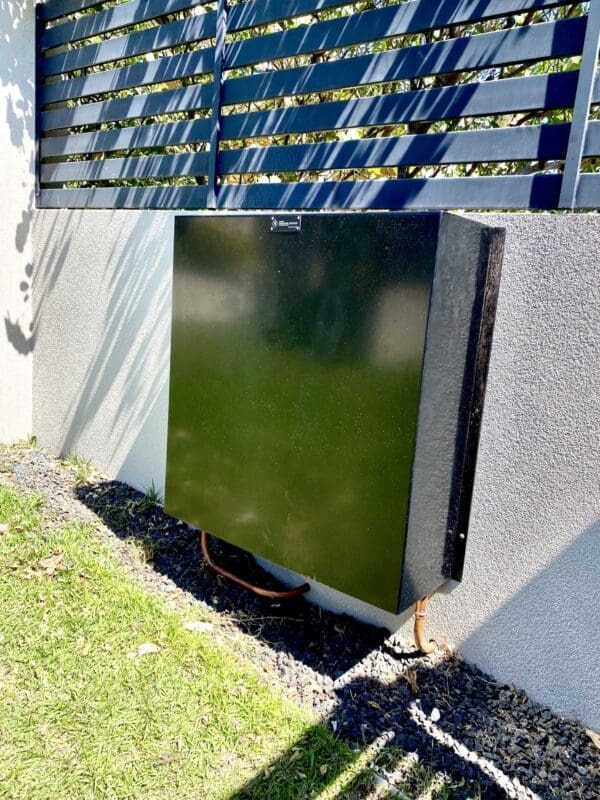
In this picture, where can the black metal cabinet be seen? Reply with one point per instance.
(327, 373)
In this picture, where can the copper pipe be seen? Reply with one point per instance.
(423, 644)
(286, 595)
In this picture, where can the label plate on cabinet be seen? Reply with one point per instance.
(286, 224)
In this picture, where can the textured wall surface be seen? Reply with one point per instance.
(16, 209)
(528, 610)
(102, 303)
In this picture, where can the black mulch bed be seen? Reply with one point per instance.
(365, 683)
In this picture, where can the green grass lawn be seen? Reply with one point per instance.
(104, 693)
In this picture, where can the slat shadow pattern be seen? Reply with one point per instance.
(308, 104)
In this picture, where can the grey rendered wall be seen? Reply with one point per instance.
(102, 302)
(16, 208)
(528, 610)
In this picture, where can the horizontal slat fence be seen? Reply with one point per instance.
(308, 104)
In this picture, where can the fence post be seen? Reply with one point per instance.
(215, 128)
(581, 109)
(36, 100)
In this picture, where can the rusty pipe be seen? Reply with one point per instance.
(423, 644)
(285, 595)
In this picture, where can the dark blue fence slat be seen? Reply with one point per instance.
(189, 64)
(263, 12)
(596, 91)
(126, 197)
(474, 52)
(588, 191)
(189, 99)
(369, 26)
(398, 64)
(140, 148)
(592, 139)
(112, 169)
(112, 19)
(468, 100)
(54, 9)
(137, 137)
(432, 14)
(244, 16)
(529, 143)
(145, 74)
(502, 144)
(523, 191)
(172, 34)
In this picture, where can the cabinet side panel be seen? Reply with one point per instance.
(446, 406)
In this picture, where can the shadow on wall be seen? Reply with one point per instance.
(17, 90)
(111, 316)
(545, 618)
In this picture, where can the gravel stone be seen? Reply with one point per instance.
(362, 681)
